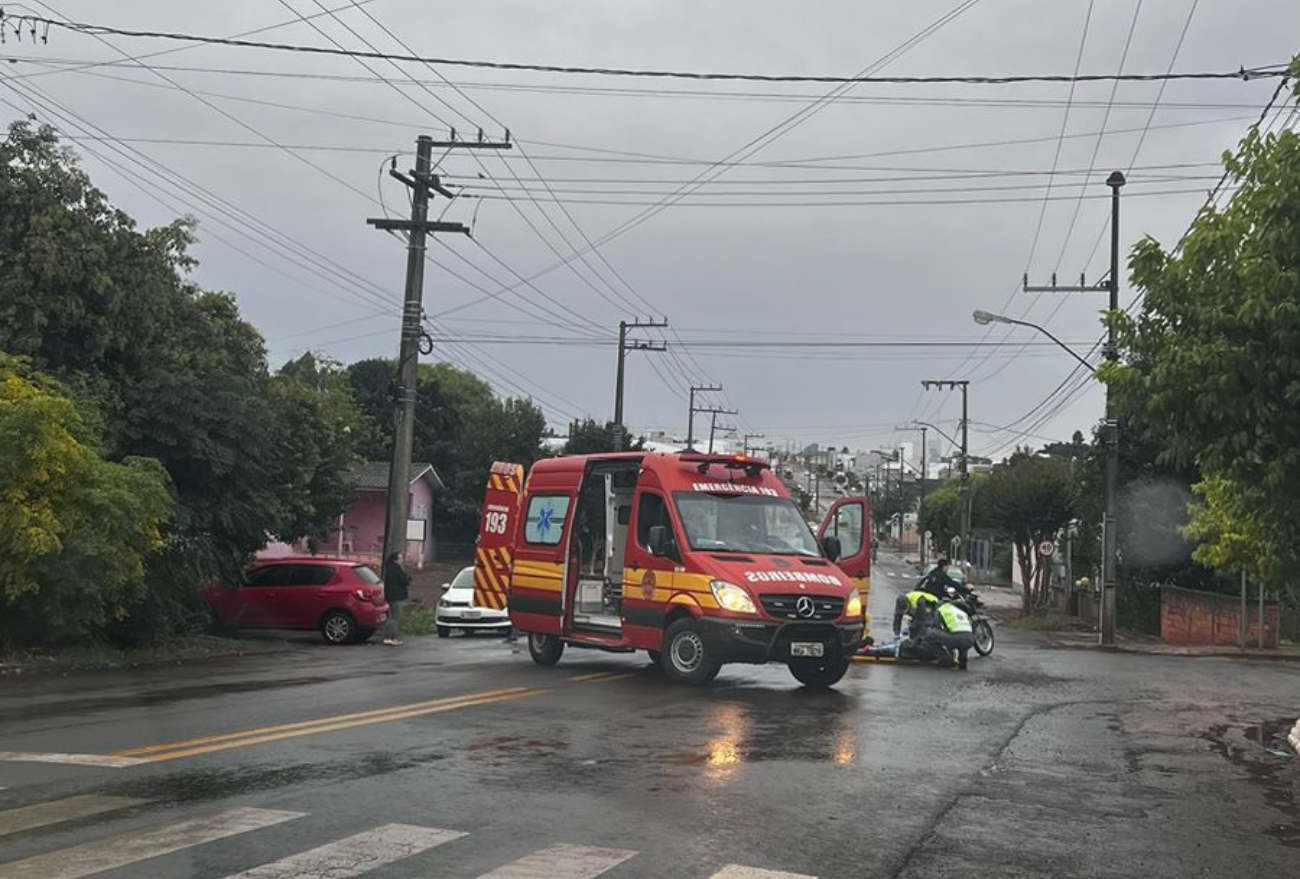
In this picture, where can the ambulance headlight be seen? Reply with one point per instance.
(732, 597)
(855, 605)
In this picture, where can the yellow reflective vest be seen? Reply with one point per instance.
(918, 600)
(954, 618)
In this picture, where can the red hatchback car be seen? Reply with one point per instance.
(342, 599)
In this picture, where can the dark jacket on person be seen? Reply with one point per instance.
(397, 585)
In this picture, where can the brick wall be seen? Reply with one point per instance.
(1207, 619)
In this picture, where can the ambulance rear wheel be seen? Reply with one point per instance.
(684, 657)
(545, 649)
(819, 674)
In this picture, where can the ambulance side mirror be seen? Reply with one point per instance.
(658, 540)
(831, 546)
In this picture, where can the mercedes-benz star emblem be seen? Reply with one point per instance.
(805, 607)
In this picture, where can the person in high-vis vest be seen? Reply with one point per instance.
(951, 631)
(918, 605)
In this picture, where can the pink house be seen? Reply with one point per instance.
(359, 532)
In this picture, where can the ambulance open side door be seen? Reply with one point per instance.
(849, 519)
(494, 555)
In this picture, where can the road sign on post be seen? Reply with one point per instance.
(1047, 549)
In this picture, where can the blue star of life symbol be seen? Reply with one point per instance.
(544, 520)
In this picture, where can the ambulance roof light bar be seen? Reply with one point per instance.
(703, 461)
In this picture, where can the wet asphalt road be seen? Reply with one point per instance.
(1034, 763)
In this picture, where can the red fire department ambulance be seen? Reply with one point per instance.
(697, 559)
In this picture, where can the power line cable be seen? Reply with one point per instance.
(104, 30)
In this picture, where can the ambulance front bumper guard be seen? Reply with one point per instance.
(758, 641)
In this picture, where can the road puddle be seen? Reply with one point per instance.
(1260, 748)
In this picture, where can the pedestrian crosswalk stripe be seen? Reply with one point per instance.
(111, 761)
(56, 811)
(562, 862)
(355, 855)
(131, 848)
(345, 858)
(734, 871)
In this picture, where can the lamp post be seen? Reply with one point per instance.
(984, 318)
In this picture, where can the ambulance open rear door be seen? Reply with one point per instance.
(494, 555)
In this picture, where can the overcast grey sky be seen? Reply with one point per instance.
(761, 254)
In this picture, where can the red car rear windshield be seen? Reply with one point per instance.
(367, 575)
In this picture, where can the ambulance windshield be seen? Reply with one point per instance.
(744, 523)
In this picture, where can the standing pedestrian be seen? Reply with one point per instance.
(397, 588)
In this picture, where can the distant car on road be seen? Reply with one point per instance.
(456, 609)
(342, 599)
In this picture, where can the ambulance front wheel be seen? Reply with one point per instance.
(545, 649)
(819, 674)
(684, 657)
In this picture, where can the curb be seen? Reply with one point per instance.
(1130, 650)
(1294, 737)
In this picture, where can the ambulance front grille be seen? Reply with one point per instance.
(786, 607)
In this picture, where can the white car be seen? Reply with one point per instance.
(456, 608)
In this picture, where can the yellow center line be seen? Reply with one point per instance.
(598, 676)
(153, 749)
(613, 677)
(335, 727)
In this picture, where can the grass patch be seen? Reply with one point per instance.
(417, 620)
(88, 657)
(1044, 621)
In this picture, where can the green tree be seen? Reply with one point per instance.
(320, 430)
(941, 512)
(1229, 534)
(1029, 500)
(161, 368)
(591, 437)
(1211, 372)
(75, 530)
(461, 427)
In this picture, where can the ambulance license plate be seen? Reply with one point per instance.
(807, 648)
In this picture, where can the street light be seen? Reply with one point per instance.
(984, 318)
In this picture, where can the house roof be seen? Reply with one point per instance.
(373, 475)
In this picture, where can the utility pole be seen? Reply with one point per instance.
(965, 458)
(421, 182)
(623, 347)
(714, 412)
(1109, 534)
(752, 436)
(690, 418)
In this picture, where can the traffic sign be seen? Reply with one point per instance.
(1047, 548)
(928, 535)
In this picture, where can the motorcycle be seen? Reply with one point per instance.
(981, 628)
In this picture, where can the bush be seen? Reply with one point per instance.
(1137, 606)
(417, 620)
(1002, 559)
(1043, 621)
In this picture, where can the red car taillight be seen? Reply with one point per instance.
(364, 595)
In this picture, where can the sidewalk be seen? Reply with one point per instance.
(1154, 647)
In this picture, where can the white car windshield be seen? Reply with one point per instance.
(745, 523)
(464, 580)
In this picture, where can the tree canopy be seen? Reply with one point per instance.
(461, 427)
(1029, 499)
(75, 530)
(159, 369)
(591, 437)
(1211, 371)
